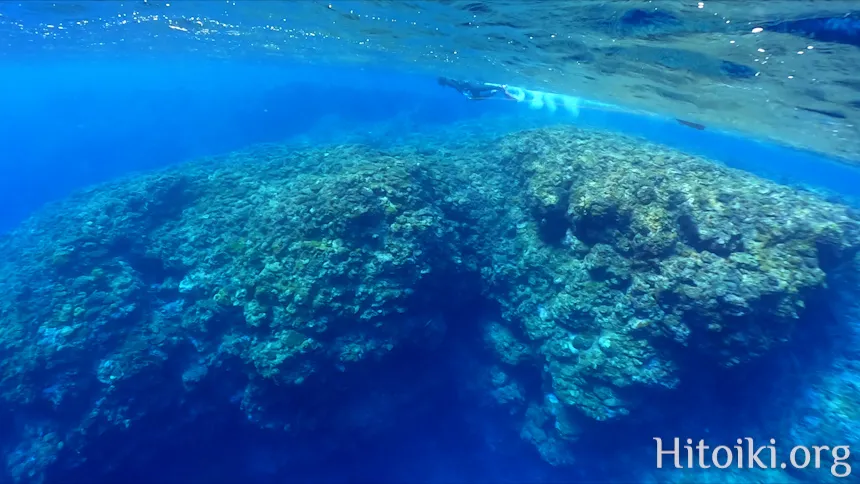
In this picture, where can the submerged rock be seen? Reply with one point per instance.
(288, 283)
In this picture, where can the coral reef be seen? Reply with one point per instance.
(278, 279)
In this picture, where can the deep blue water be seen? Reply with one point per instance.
(85, 122)
(82, 122)
(66, 124)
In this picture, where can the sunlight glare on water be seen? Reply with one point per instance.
(448, 241)
(782, 70)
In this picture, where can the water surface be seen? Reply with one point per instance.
(258, 242)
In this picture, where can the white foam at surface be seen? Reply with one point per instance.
(551, 104)
(571, 105)
(537, 100)
(518, 93)
(546, 100)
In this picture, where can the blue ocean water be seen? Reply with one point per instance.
(172, 109)
(82, 130)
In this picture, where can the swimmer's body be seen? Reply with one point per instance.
(478, 91)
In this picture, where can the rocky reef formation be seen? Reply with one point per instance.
(280, 281)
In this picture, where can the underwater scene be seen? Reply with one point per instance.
(450, 241)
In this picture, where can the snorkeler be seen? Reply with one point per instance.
(535, 99)
(477, 91)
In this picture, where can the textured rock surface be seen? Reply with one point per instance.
(281, 281)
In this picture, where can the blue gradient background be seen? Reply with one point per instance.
(68, 124)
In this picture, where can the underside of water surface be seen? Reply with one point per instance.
(263, 244)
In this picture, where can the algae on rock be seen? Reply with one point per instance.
(614, 265)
